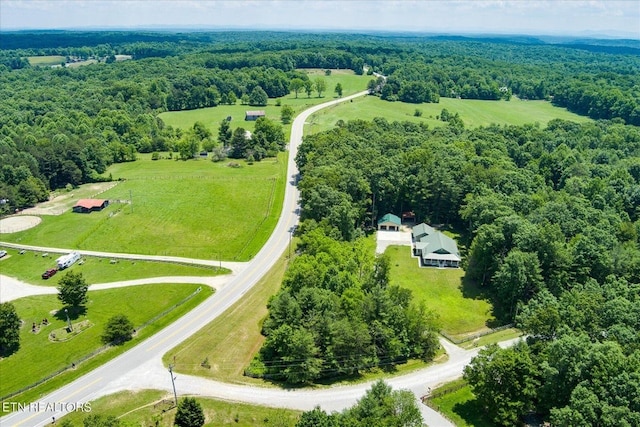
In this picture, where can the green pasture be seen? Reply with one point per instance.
(459, 404)
(151, 408)
(211, 117)
(38, 356)
(460, 309)
(29, 266)
(194, 208)
(47, 60)
(473, 112)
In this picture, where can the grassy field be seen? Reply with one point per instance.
(459, 404)
(46, 61)
(230, 341)
(39, 356)
(441, 290)
(194, 208)
(29, 266)
(211, 117)
(150, 407)
(473, 112)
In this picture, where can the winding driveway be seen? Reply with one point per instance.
(141, 367)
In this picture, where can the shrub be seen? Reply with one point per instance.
(118, 329)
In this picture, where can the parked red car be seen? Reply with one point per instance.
(50, 272)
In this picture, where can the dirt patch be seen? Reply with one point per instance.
(62, 202)
(17, 223)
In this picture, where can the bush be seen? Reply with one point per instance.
(189, 413)
(118, 330)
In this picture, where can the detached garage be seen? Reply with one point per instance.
(90, 205)
(389, 222)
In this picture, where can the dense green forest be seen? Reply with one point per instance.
(550, 217)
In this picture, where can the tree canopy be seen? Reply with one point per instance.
(72, 289)
(9, 329)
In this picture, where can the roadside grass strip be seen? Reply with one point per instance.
(157, 408)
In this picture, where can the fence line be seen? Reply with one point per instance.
(97, 351)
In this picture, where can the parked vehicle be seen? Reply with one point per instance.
(67, 260)
(2, 253)
(50, 272)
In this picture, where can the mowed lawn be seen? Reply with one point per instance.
(151, 408)
(473, 112)
(211, 117)
(38, 356)
(441, 291)
(194, 208)
(29, 267)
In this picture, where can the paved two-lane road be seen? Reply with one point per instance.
(96, 383)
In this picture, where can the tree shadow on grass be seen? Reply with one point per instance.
(73, 312)
(473, 413)
(470, 289)
(8, 350)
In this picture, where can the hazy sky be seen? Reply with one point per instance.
(572, 17)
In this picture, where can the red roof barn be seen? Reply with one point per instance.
(90, 205)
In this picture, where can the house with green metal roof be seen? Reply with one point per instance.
(435, 249)
(420, 231)
(389, 222)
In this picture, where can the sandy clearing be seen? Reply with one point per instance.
(17, 223)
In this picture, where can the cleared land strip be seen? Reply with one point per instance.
(235, 267)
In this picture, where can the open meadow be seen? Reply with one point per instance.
(473, 112)
(152, 407)
(441, 290)
(40, 355)
(46, 60)
(194, 208)
(211, 117)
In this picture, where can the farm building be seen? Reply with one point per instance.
(389, 222)
(253, 115)
(90, 205)
(434, 248)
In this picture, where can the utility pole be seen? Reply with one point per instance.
(173, 383)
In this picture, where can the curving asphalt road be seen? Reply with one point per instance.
(141, 367)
